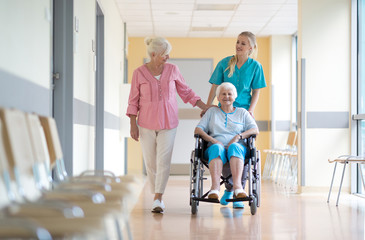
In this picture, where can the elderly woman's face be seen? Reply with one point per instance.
(226, 97)
(160, 58)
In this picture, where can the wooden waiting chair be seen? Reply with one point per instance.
(27, 198)
(120, 199)
(274, 158)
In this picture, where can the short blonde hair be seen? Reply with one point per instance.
(158, 45)
(228, 86)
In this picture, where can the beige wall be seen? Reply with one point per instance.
(216, 49)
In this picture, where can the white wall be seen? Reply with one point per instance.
(324, 41)
(114, 152)
(84, 81)
(281, 46)
(25, 40)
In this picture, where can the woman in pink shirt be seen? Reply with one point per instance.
(153, 99)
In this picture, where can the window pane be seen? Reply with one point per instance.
(361, 57)
(361, 91)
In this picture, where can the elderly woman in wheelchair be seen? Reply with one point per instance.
(225, 128)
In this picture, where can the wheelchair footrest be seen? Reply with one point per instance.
(205, 200)
(238, 199)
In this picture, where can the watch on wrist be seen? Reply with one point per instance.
(240, 136)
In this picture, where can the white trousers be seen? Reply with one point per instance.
(157, 146)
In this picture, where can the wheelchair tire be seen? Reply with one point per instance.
(194, 207)
(253, 205)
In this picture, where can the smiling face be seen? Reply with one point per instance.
(243, 46)
(226, 97)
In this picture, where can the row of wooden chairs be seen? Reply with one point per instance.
(281, 164)
(34, 205)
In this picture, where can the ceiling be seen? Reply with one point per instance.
(208, 18)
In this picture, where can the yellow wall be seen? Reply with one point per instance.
(216, 49)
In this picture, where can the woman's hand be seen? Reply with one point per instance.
(215, 141)
(134, 128)
(236, 138)
(134, 132)
(205, 110)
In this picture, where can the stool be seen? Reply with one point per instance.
(345, 159)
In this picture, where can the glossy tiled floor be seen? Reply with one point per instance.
(280, 216)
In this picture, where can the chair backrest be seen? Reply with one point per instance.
(42, 167)
(52, 137)
(5, 195)
(54, 147)
(291, 138)
(19, 151)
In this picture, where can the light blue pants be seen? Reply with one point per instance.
(234, 150)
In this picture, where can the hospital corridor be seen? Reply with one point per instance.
(182, 119)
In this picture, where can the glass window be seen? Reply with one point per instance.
(361, 89)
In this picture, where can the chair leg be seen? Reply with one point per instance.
(339, 191)
(267, 166)
(278, 169)
(362, 176)
(333, 176)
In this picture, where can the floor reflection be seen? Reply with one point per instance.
(280, 216)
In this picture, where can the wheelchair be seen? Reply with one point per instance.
(197, 169)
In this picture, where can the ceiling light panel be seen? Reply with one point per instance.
(205, 34)
(215, 7)
(265, 2)
(171, 1)
(257, 8)
(172, 7)
(217, 1)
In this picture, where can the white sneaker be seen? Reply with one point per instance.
(213, 194)
(157, 206)
(240, 193)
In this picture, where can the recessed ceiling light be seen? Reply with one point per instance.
(216, 7)
(171, 13)
(207, 29)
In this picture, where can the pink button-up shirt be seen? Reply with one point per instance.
(155, 100)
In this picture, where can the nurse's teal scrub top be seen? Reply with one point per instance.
(249, 76)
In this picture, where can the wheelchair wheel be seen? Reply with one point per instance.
(256, 180)
(196, 184)
(194, 206)
(253, 205)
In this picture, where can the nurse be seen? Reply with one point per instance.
(247, 76)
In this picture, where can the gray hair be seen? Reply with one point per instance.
(158, 45)
(228, 86)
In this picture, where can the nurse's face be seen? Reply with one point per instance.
(243, 47)
(226, 97)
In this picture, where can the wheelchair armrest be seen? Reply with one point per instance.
(251, 142)
(252, 136)
(196, 135)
